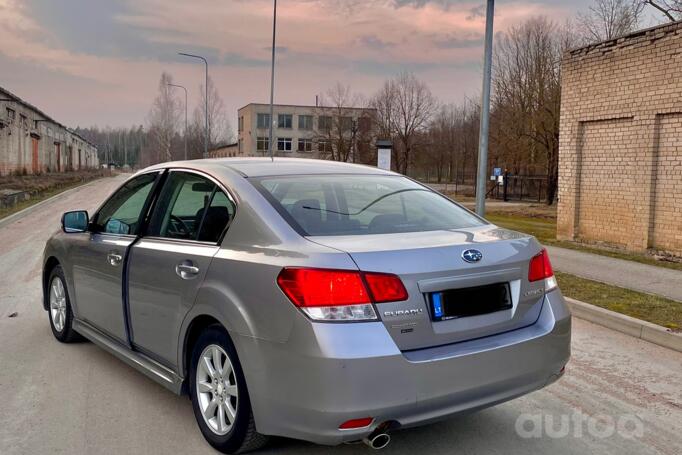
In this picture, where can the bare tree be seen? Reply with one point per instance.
(404, 107)
(527, 98)
(341, 131)
(671, 9)
(219, 128)
(163, 121)
(608, 19)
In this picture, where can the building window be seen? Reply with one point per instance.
(325, 122)
(305, 145)
(324, 145)
(22, 120)
(284, 144)
(364, 124)
(345, 123)
(284, 121)
(240, 146)
(263, 121)
(305, 122)
(262, 144)
(11, 115)
(241, 123)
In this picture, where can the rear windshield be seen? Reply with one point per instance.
(361, 204)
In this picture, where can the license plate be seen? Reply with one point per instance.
(466, 302)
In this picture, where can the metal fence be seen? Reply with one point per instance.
(520, 188)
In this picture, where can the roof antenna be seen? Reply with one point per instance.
(272, 79)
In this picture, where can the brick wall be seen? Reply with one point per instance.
(620, 153)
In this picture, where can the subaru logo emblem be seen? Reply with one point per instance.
(472, 255)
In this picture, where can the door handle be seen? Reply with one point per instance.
(114, 258)
(186, 270)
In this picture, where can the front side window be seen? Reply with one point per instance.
(284, 144)
(263, 121)
(262, 144)
(361, 205)
(284, 121)
(122, 213)
(11, 114)
(191, 207)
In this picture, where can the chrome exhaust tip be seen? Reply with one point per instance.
(377, 441)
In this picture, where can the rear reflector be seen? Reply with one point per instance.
(540, 268)
(356, 423)
(326, 294)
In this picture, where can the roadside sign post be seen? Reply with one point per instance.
(384, 149)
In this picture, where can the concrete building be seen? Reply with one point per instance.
(225, 151)
(620, 158)
(306, 131)
(32, 142)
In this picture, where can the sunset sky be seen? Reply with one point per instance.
(98, 62)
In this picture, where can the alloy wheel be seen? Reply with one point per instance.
(217, 392)
(58, 304)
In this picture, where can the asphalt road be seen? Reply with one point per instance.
(77, 399)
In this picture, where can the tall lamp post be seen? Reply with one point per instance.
(272, 79)
(485, 111)
(182, 87)
(206, 96)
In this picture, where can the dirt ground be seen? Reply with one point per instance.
(36, 184)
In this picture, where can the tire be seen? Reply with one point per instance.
(222, 393)
(59, 308)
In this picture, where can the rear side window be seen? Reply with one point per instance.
(191, 207)
(361, 204)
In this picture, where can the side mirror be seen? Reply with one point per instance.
(76, 221)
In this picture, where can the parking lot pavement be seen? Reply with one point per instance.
(619, 396)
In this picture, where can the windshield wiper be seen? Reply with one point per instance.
(368, 205)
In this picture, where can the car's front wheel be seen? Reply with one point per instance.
(219, 396)
(59, 307)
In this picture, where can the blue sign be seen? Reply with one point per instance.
(497, 171)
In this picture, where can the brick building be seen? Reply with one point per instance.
(620, 158)
(32, 142)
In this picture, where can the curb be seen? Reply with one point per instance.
(625, 324)
(30, 209)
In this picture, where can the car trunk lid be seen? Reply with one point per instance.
(431, 264)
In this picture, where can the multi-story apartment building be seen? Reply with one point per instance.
(341, 133)
(31, 142)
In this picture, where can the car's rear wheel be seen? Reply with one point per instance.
(59, 307)
(219, 396)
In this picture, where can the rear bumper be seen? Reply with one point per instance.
(329, 373)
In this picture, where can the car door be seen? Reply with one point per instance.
(168, 264)
(99, 256)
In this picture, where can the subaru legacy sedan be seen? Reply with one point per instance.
(309, 299)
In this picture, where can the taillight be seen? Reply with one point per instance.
(339, 295)
(385, 287)
(540, 268)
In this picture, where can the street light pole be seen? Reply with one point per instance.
(182, 87)
(206, 96)
(485, 111)
(272, 80)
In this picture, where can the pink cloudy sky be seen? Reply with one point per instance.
(90, 62)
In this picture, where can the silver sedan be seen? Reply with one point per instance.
(315, 300)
